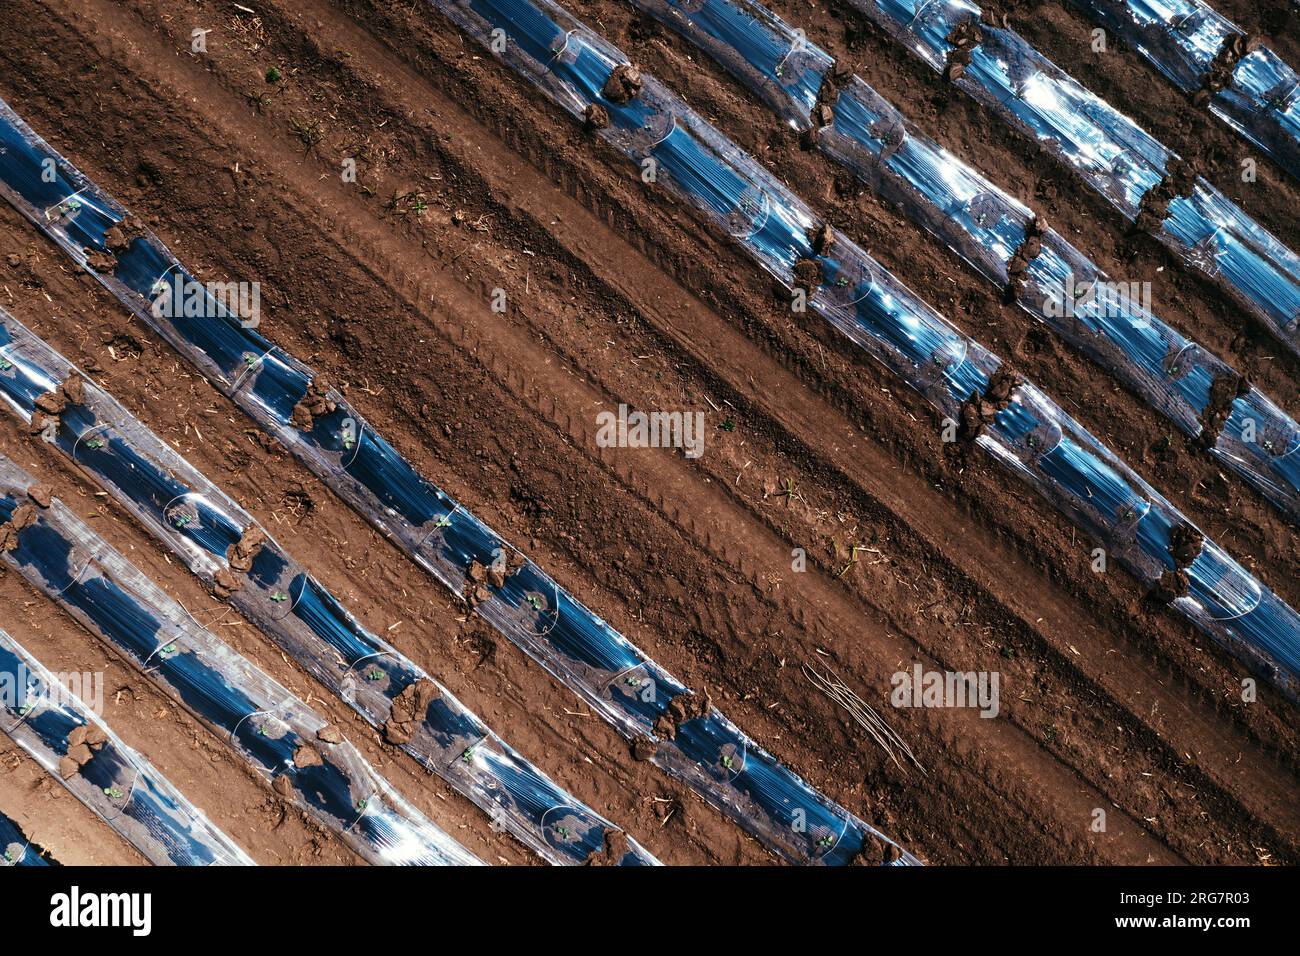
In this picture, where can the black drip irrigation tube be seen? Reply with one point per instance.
(61, 733)
(237, 557)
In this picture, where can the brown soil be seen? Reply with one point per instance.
(468, 182)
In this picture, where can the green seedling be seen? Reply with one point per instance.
(250, 360)
(273, 75)
(279, 597)
(375, 675)
(169, 650)
(8, 858)
(361, 806)
(825, 843)
(563, 832)
(728, 425)
(182, 519)
(113, 792)
(632, 681)
(535, 602)
(444, 522)
(468, 755)
(5, 365)
(728, 761)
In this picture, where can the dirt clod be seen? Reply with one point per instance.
(243, 552)
(614, 849)
(43, 495)
(306, 756)
(329, 734)
(623, 84)
(409, 708)
(681, 709)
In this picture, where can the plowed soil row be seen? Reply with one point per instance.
(468, 184)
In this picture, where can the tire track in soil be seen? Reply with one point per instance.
(1012, 809)
(629, 794)
(582, 229)
(1246, 523)
(367, 574)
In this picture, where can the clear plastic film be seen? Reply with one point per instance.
(1108, 151)
(263, 723)
(203, 526)
(779, 64)
(343, 449)
(17, 850)
(1030, 435)
(986, 227)
(1182, 38)
(115, 782)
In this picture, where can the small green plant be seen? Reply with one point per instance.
(182, 519)
(563, 832)
(468, 755)
(444, 522)
(728, 425)
(279, 597)
(169, 650)
(375, 675)
(95, 444)
(249, 360)
(273, 74)
(728, 761)
(361, 805)
(535, 602)
(826, 842)
(113, 792)
(5, 365)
